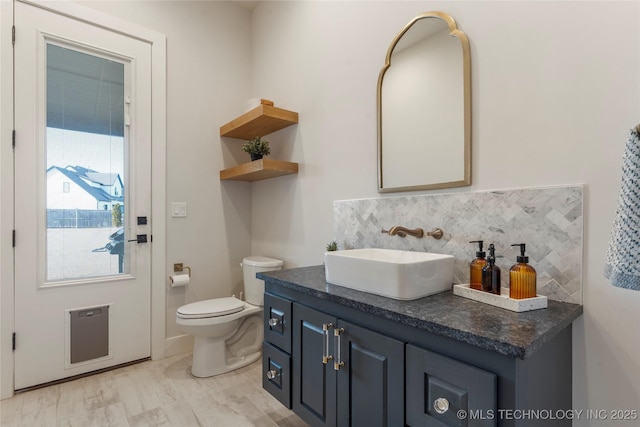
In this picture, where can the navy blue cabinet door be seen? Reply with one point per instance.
(444, 392)
(371, 380)
(314, 382)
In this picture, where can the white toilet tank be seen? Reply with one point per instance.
(254, 288)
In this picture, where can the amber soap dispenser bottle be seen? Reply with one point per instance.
(475, 269)
(522, 277)
(491, 273)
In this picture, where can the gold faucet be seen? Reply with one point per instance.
(398, 230)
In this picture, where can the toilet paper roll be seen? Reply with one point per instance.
(179, 280)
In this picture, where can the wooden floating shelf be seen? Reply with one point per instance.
(261, 121)
(259, 169)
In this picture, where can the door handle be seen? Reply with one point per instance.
(140, 238)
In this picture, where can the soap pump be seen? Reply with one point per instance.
(522, 277)
(491, 273)
(475, 269)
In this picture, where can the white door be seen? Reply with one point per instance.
(82, 189)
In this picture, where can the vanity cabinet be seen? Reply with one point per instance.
(340, 374)
(438, 361)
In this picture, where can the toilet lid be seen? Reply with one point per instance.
(262, 261)
(211, 308)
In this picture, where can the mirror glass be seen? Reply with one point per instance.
(424, 107)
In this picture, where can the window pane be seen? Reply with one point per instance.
(85, 165)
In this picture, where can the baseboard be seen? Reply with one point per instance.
(178, 345)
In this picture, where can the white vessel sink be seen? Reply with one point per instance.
(403, 275)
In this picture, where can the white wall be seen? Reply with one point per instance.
(555, 91)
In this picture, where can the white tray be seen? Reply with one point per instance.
(502, 301)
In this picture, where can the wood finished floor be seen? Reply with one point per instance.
(153, 393)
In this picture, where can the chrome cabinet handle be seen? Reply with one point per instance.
(441, 405)
(338, 363)
(273, 322)
(272, 374)
(325, 343)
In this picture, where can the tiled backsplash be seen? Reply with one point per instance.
(549, 220)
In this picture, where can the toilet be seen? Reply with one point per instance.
(228, 331)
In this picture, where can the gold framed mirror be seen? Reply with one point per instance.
(424, 107)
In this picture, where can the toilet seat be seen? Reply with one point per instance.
(210, 308)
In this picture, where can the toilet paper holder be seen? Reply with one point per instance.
(180, 267)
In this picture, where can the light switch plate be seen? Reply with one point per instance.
(178, 209)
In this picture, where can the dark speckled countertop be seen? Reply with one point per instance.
(482, 325)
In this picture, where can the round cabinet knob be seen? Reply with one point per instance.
(272, 374)
(273, 322)
(441, 405)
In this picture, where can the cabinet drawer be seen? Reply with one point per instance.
(276, 373)
(277, 321)
(433, 378)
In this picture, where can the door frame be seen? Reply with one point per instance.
(158, 174)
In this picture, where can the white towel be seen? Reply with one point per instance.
(622, 264)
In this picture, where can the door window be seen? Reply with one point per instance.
(85, 175)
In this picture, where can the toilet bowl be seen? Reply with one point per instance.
(228, 332)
